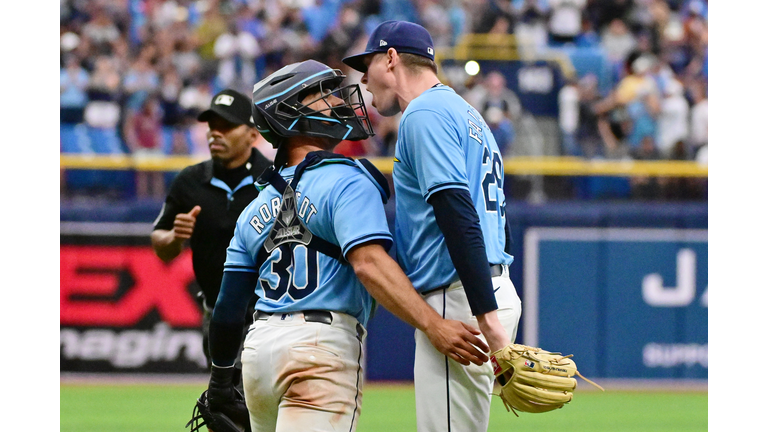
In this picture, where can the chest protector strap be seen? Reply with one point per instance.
(288, 226)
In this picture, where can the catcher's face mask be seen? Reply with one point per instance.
(307, 99)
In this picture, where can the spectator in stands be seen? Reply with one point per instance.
(73, 82)
(194, 99)
(236, 51)
(102, 114)
(699, 116)
(673, 122)
(121, 54)
(604, 12)
(565, 23)
(590, 143)
(617, 42)
(174, 139)
(696, 39)
(100, 31)
(164, 42)
(587, 37)
(568, 118)
(491, 16)
(434, 17)
(531, 25)
(186, 59)
(103, 109)
(579, 119)
(628, 113)
(290, 38)
(641, 100)
(341, 37)
(497, 94)
(143, 132)
(141, 80)
(501, 128)
(213, 24)
(660, 15)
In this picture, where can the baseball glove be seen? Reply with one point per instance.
(534, 380)
(236, 418)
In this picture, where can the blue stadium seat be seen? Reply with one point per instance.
(105, 141)
(74, 138)
(167, 139)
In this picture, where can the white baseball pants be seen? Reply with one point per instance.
(451, 397)
(303, 376)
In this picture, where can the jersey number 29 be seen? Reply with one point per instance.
(493, 181)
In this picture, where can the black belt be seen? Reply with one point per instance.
(496, 270)
(317, 316)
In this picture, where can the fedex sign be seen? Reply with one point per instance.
(119, 285)
(123, 309)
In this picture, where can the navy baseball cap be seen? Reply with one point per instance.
(232, 106)
(403, 36)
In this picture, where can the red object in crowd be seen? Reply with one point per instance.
(351, 148)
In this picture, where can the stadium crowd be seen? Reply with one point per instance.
(136, 73)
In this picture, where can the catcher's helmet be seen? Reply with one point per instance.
(279, 113)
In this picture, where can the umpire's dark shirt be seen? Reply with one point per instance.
(220, 205)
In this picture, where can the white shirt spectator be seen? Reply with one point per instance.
(700, 123)
(568, 105)
(673, 118)
(565, 18)
(236, 52)
(617, 41)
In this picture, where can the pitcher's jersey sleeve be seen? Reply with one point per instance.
(434, 151)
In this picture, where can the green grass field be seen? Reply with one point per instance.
(386, 408)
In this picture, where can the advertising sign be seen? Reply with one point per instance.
(123, 310)
(628, 303)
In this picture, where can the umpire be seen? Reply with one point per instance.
(205, 199)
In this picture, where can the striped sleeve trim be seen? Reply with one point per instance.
(239, 268)
(366, 238)
(442, 186)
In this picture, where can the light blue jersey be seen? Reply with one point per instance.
(443, 143)
(338, 203)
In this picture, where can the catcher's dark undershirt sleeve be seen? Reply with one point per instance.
(228, 319)
(457, 219)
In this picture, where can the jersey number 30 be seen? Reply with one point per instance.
(294, 268)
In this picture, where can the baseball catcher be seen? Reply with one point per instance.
(534, 380)
(221, 407)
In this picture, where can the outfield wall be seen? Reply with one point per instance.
(622, 286)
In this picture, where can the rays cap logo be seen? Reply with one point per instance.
(403, 36)
(230, 105)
